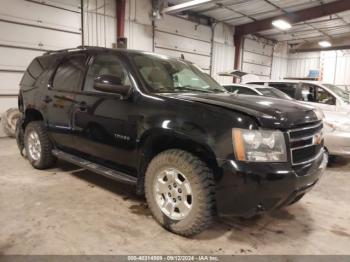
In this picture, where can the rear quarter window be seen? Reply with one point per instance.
(34, 70)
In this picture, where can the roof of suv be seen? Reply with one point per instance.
(104, 49)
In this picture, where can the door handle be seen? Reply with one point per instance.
(47, 99)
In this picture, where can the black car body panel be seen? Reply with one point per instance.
(121, 132)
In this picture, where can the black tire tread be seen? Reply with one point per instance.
(205, 197)
(46, 160)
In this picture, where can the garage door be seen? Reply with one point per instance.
(27, 29)
(175, 37)
(257, 57)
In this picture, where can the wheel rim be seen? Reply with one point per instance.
(173, 193)
(34, 145)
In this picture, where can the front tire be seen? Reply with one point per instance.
(38, 145)
(179, 189)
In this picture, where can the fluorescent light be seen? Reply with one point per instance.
(281, 24)
(325, 44)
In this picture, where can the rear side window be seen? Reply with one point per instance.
(70, 73)
(33, 72)
(288, 88)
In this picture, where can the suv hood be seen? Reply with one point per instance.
(270, 112)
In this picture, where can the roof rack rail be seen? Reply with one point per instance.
(80, 47)
(302, 78)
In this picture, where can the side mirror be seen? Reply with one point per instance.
(111, 84)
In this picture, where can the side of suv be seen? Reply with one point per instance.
(168, 128)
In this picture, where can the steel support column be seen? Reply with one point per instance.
(121, 40)
(238, 41)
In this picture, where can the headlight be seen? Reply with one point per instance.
(259, 145)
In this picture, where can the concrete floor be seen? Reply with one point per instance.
(67, 210)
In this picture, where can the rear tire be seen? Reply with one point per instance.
(38, 145)
(178, 175)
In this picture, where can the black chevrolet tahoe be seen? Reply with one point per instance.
(164, 125)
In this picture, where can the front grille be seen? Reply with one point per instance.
(304, 143)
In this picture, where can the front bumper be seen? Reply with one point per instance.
(337, 143)
(247, 189)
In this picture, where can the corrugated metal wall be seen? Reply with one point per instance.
(279, 61)
(342, 76)
(138, 25)
(300, 64)
(223, 52)
(336, 67)
(99, 22)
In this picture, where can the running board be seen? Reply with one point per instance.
(97, 168)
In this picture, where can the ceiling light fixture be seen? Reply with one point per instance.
(325, 44)
(281, 24)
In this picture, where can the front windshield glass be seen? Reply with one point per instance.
(273, 92)
(340, 92)
(170, 75)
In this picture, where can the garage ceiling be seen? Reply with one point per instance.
(240, 12)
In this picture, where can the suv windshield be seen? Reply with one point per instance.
(169, 75)
(272, 92)
(345, 96)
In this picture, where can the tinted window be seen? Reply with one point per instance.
(70, 73)
(106, 65)
(288, 88)
(34, 70)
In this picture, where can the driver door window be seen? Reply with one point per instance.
(106, 65)
(324, 97)
(315, 94)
